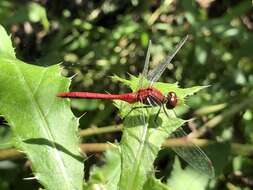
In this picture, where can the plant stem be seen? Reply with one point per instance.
(95, 147)
(210, 109)
(10, 153)
(95, 130)
(245, 149)
(225, 115)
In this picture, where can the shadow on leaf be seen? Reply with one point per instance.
(42, 141)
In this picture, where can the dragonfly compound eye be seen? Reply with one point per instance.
(171, 100)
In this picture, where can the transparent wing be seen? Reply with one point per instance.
(146, 65)
(144, 74)
(193, 155)
(142, 117)
(155, 74)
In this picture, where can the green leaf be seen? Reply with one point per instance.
(155, 184)
(5, 44)
(33, 12)
(186, 179)
(108, 175)
(139, 147)
(142, 136)
(6, 138)
(43, 125)
(37, 13)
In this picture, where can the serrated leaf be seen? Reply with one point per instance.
(186, 179)
(140, 144)
(142, 136)
(42, 124)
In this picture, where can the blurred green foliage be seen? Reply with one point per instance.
(96, 39)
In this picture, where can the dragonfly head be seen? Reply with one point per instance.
(171, 100)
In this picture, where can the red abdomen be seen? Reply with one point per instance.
(128, 97)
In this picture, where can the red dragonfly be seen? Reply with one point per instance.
(152, 97)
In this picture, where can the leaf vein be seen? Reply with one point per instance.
(45, 125)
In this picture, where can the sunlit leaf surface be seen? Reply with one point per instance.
(108, 175)
(187, 179)
(43, 125)
(143, 136)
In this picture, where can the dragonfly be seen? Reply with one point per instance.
(152, 97)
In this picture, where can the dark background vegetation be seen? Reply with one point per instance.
(97, 39)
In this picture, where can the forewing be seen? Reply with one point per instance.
(146, 65)
(193, 155)
(142, 116)
(155, 74)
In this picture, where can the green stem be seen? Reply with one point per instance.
(95, 130)
(245, 149)
(248, 102)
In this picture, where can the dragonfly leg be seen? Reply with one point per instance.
(152, 100)
(156, 117)
(165, 111)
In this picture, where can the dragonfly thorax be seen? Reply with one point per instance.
(151, 96)
(171, 100)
